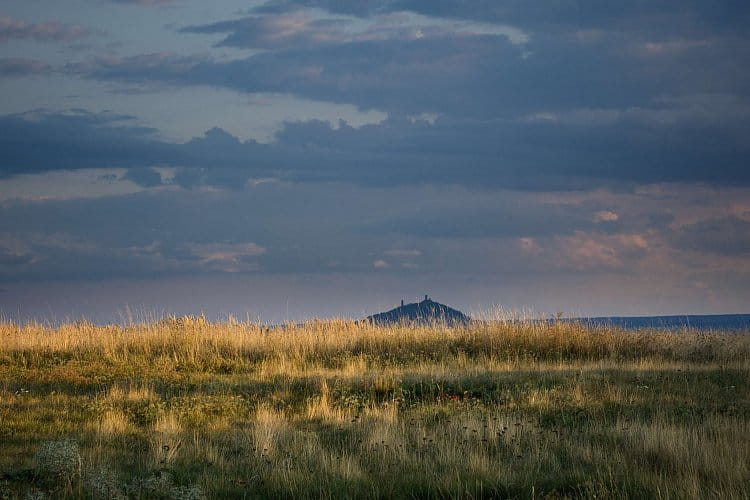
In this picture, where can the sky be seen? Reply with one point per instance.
(279, 160)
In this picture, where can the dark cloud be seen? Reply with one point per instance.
(41, 141)
(292, 229)
(300, 28)
(511, 216)
(527, 155)
(478, 76)
(351, 7)
(267, 229)
(15, 29)
(281, 230)
(566, 109)
(10, 258)
(14, 66)
(681, 16)
(275, 32)
(413, 77)
(162, 67)
(273, 228)
(601, 99)
(145, 177)
(146, 2)
(728, 236)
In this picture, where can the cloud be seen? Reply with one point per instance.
(145, 177)
(284, 30)
(349, 7)
(606, 216)
(10, 258)
(306, 27)
(146, 2)
(15, 66)
(467, 76)
(161, 67)
(728, 236)
(684, 16)
(15, 29)
(592, 100)
(398, 151)
(586, 251)
(226, 257)
(168, 232)
(43, 141)
(510, 215)
(398, 252)
(412, 76)
(300, 229)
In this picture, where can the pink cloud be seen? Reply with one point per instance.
(147, 2)
(606, 216)
(226, 257)
(11, 28)
(15, 66)
(597, 251)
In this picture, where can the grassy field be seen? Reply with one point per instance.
(183, 408)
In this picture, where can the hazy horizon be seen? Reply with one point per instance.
(222, 297)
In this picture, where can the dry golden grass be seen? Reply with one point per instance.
(184, 408)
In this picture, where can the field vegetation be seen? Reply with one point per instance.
(185, 408)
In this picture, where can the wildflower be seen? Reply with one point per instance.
(162, 486)
(101, 482)
(35, 494)
(58, 459)
(5, 491)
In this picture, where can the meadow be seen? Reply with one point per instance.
(186, 408)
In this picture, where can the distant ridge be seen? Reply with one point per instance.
(427, 311)
(728, 322)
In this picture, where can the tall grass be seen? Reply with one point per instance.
(184, 408)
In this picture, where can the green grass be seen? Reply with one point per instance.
(184, 408)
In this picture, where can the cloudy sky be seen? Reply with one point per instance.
(284, 159)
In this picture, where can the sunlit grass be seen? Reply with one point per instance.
(184, 408)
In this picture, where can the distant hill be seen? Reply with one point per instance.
(720, 322)
(427, 311)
